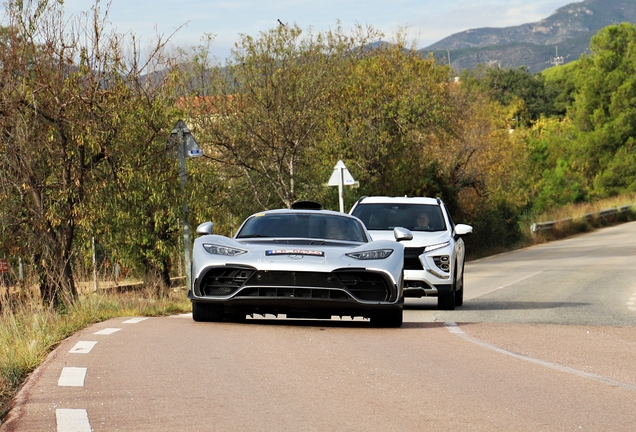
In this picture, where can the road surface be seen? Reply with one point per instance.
(546, 340)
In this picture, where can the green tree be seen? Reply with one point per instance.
(263, 113)
(507, 85)
(554, 171)
(560, 83)
(393, 104)
(68, 96)
(605, 109)
(485, 163)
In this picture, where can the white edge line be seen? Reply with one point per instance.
(454, 328)
(72, 420)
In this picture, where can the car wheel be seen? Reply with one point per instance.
(388, 318)
(459, 290)
(448, 301)
(202, 312)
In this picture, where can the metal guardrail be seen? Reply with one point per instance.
(542, 226)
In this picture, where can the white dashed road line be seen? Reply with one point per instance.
(83, 347)
(107, 331)
(454, 328)
(134, 320)
(72, 420)
(76, 420)
(72, 377)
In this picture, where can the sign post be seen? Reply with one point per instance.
(341, 177)
(186, 146)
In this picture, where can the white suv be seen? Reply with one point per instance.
(434, 259)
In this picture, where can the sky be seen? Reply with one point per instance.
(425, 21)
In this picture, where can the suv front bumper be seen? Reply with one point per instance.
(417, 285)
(428, 274)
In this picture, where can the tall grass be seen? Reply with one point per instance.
(29, 331)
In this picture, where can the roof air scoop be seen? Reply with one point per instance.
(306, 205)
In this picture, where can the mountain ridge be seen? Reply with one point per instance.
(534, 45)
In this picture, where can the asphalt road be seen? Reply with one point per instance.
(546, 340)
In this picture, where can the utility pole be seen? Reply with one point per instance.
(556, 60)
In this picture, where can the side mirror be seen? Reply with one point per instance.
(402, 234)
(205, 228)
(462, 229)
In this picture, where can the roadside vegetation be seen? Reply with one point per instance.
(90, 183)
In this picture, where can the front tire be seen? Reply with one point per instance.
(446, 301)
(202, 312)
(459, 294)
(391, 318)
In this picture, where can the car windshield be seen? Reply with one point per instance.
(386, 216)
(303, 225)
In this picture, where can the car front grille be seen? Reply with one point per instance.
(294, 279)
(339, 285)
(412, 258)
(224, 281)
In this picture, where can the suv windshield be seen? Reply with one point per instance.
(386, 216)
(303, 225)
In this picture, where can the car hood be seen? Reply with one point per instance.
(420, 238)
(317, 252)
(289, 253)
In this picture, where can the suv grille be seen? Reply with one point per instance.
(412, 258)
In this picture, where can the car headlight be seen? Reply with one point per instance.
(436, 246)
(222, 250)
(369, 255)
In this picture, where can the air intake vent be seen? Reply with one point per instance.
(306, 205)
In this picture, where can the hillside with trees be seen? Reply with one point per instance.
(565, 34)
(85, 121)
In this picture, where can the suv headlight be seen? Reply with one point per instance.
(222, 250)
(436, 246)
(369, 255)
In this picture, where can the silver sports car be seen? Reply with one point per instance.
(303, 262)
